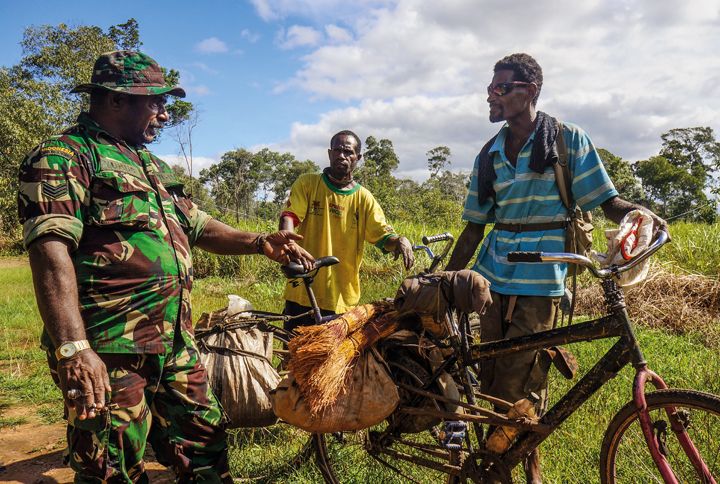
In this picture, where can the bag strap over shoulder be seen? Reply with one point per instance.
(563, 177)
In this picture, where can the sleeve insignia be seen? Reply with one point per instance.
(66, 153)
(54, 191)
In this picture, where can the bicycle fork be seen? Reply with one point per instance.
(642, 377)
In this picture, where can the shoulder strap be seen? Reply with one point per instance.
(562, 170)
(486, 172)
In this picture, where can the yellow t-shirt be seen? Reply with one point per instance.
(335, 222)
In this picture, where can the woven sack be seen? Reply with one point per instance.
(369, 398)
(238, 360)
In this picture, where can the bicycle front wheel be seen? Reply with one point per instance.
(625, 457)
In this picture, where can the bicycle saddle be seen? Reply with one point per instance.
(294, 270)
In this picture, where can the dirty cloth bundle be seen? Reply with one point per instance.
(432, 294)
(631, 238)
(238, 359)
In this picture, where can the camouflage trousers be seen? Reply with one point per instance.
(163, 399)
(514, 377)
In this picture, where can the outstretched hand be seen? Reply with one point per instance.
(404, 248)
(280, 246)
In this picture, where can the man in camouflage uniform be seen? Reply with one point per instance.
(109, 231)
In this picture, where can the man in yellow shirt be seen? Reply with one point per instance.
(336, 215)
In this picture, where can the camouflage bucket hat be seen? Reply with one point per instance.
(129, 72)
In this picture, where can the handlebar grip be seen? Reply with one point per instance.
(429, 239)
(524, 257)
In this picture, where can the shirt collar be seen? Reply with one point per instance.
(497, 146)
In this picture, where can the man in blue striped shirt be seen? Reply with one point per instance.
(513, 186)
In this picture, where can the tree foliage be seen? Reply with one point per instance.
(623, 177)
(244, 182)
(679, 181)
(35, 99)
(438, 158)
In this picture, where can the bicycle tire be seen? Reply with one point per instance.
(624, 456)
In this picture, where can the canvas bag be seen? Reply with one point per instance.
(238, 359)
(430, 295)
(579, 230)
(370, 397)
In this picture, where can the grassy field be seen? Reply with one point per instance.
(569, 455)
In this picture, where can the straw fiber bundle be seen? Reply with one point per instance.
(680, 303)
(322, 356)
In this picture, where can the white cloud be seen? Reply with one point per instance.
(250, 36)
(270, 10)
(199, 162)
(337, 34)
(299, 36)
(415, 71)
(211, 45)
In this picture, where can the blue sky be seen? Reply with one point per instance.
(289, 73)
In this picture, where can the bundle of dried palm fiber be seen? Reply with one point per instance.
(322, 356)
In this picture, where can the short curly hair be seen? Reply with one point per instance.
(525, 69)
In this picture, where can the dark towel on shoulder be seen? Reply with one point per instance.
(544, 154)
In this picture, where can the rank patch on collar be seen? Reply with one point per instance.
(66, 153)
(54, 191)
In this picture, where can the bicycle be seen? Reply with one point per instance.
(291, 450)
(668, 435)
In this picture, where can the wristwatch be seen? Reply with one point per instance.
(68, 349)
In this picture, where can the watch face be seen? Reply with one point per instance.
(67, 350)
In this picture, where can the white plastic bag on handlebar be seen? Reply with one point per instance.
(630, 239)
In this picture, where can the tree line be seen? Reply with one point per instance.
(680, 181)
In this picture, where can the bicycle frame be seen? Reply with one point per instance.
(616, 324)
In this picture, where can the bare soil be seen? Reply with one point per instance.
(32, 453)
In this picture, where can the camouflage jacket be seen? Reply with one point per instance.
(131, 227)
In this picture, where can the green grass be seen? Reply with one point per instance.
(569, 455)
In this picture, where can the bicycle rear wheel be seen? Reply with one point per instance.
(625, 457)
(372, 455)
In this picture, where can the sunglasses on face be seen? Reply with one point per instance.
(503, 88)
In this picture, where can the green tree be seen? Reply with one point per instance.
(679, 179)
(34, 94)
(438, 158)
(621, 173)
(375, 173)
(285, 174)
(235, 181)
(195, 189)
(673, 191)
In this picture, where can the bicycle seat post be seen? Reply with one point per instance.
(307, 281)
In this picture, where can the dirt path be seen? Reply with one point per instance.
(32, 453)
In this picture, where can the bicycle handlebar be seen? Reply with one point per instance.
(661, 239)
(435, 260)
(430, 239)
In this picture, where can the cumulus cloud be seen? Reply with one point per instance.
(270, 10)
(249, 35)
(337, 34)
(211, 45)
(415, 71)
(299, 36)
(199, 162)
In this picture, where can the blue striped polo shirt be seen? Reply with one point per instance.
(523, 196)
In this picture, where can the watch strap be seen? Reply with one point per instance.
(79, 345)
